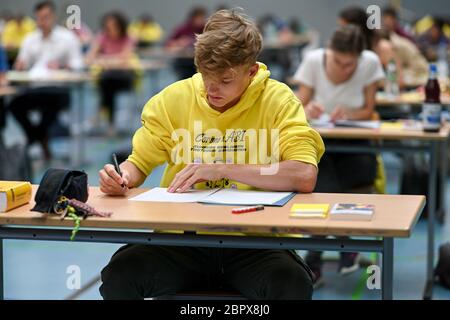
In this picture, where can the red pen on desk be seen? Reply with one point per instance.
(247, 209)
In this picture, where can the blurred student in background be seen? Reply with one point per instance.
(112, 52)
(182, 40)
(145, 31)
(373, 41)
(14, 32)
(50, 47)
(277, 37)
(341, 81)
(5, 16)
(83, 32)
(391, 23)
(412, 61)
(434, 40)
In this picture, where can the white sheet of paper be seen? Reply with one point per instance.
(322, 122)
(161, 195)
(245, 197)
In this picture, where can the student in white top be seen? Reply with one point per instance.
(341, 81)
(49, 48)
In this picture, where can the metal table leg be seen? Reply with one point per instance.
(2, 297)
(78, 115)
(443, 182)
(428, 292)
(387, 273)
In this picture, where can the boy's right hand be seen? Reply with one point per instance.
(314, 110)
(111, 182)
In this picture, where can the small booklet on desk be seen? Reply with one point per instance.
(309, 210)
(352, 211)
(14, 194)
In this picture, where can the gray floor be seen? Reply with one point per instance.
(39, 270)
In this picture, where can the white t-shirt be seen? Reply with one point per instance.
(61, 45)
(348, 94)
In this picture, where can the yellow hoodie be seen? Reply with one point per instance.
(179, 127)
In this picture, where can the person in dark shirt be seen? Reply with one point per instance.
(182, 40)
(391, 24)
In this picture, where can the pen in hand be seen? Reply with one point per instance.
(116, 165)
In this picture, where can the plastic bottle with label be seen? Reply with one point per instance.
(431, 108)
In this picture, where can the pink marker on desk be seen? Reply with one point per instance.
(247, 209)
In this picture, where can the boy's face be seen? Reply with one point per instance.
(225, 89)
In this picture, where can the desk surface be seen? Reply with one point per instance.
(395, 216)
(294, 41)
(382, 133)
(55, 77)
(144, 64)
(6, 91)
(407, 98)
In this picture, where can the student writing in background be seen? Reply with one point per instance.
(341, 80)
(145, 31)
(51, 47)
(112, 52)
(181, 42)
(373, 41)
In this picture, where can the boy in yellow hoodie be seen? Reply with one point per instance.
(227, 126)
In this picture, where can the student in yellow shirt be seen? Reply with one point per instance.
(14, 33)
(230, 103)
(16, 30)
(145, 31)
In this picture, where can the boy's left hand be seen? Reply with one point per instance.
(195, 173)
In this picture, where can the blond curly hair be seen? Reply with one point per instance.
(229, 39)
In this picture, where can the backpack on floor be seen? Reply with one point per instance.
(442, 271)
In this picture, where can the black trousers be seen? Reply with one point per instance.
(142, 271)
(49, 101)
(111, 83)
(342, 172)
(2, 113)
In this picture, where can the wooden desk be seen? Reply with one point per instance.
(58, 77)
(296, 41)
(75, 81)
(407, 98)
(166, 53)
(395, 216)
(433, 144)
(143, 64)
(384, 134)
